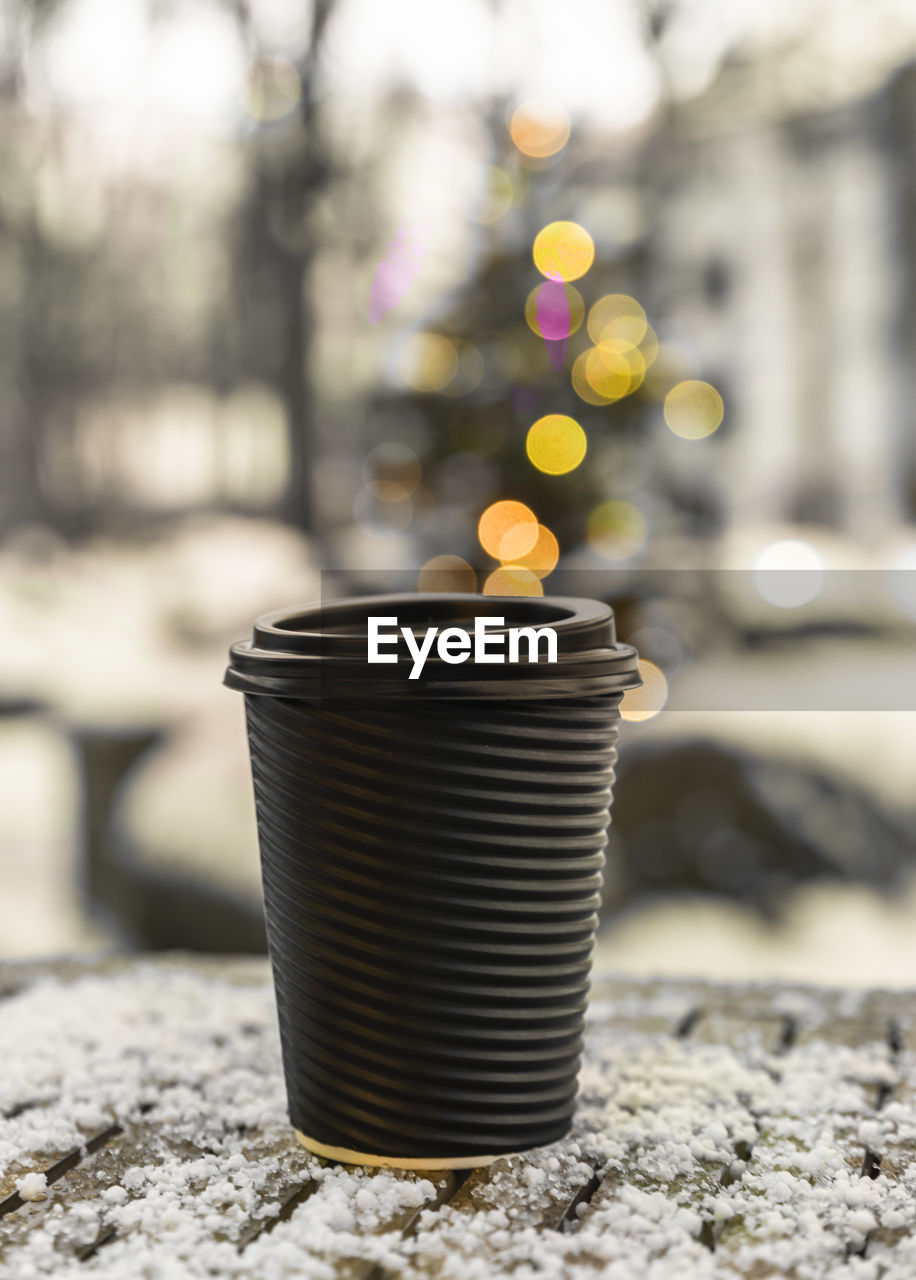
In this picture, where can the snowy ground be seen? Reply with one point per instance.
(694, 1156)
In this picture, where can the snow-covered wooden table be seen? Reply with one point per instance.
(722, 1131)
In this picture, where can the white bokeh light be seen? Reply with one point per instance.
(789, 573)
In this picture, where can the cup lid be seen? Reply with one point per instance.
(319, 650)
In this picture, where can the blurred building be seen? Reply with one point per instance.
(784, 251)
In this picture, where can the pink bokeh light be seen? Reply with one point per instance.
(554, 319)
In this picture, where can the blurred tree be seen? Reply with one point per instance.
(114, 316)
(274, 250)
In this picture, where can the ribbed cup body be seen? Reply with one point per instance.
(432, 872)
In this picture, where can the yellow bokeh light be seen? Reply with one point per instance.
(616, 530)
(617, 315)
(648, 346)
(646, 701)
(608, 371)
(507, 530)
(693, 409)
(563, 249)
(543, 556)
(447, 573)
(497, 198)
(512, 581)
(581, 385)
(428, 362)
(556, 444)
(539, 128)
(637, 363)
(576, 308)
(606, 367)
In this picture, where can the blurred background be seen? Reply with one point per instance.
(611, 297)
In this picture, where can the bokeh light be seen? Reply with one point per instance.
(636, 361)
(617, 315)
(497, 198)
(605, 363)
(507, 530)
(539, 128)
(648, 346)
(616, 530)
(581, 385)
(574, 301)
(447, 573)
(509, 580)
(646, 701)
(273, 89)
(428, 362)
(608, 371)
(556, 444)
(393, 462)
(693, 409)
(543, 556)
(789, 573)
(564, 249)
(553, 311)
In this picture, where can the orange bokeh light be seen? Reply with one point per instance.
(507, 530)
(539, 128)
(543, 556)
(511, 580)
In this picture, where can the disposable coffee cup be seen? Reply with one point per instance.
(432, 850)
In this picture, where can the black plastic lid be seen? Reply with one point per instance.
(320, 650)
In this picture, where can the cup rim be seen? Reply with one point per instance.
(292, 655)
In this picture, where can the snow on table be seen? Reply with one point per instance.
(721, 1131)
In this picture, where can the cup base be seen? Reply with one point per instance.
(347, 1156)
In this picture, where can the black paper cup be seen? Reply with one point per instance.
(432, 854)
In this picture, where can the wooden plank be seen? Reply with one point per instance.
(735, 1209)
(284, 1193)
(686, 1135)
(808, 1160)
(506, 1210)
